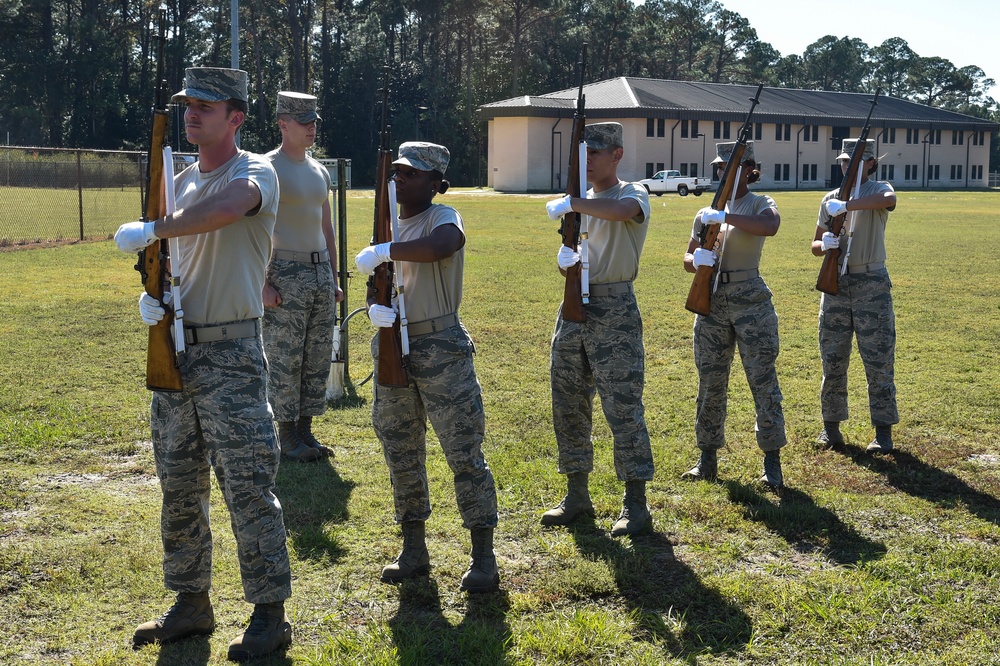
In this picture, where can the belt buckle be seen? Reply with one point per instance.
(724, 277)
(315, 258)
(193, 336)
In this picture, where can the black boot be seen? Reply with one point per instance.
(706, 469)
(576, 503)
(304, 428)
(413, 560)
(883, 440)
(483, 574)
(269, 631)
(635, 513)
(831, 438)
(191, 615)
(292, 446)
(772, 469)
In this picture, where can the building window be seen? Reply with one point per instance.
(934, 172)
(888, 172)
(758, 130)
(978, 139)
(782, 132)
(957, 138)
(649, 126)
(781, 173)
(934, 136)
(659, 166)
(694, 129)
(661, 127)
(684, 129)
(717, 130)
(809, 172)
(889, 135)
(684, 169)
(649, 169)
(909, 136)
(977, 172)
(956, 172)
(693, 169)
(810, 133)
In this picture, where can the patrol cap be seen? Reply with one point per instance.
(213, 84)
(423, 156)
(603, 135)
(300, 106)
(848, 148)
(725, 150)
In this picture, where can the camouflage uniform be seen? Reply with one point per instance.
(605, 354)
(442, 384)
(221, 420)
(862, 308)
(298, 333)
(742, 316)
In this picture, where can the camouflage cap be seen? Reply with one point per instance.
(725, 151)
(423, 156)
(848, 148)
(213, 84)
(300, 106)
(603, 135)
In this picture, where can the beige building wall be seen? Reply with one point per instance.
(532, 154)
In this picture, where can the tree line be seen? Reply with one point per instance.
(79, 73)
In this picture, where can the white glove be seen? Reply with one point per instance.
(567, 258)
(134, 236)
(381, 316)
(370, 257)
(830, 241)
(712, 216)
(559, 207)
(835, 207)
(703, 257)
(150, 309)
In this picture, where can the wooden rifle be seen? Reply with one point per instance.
(162, 373)
(573, 297)
(699, 298)
(391, 371)
(829, 273)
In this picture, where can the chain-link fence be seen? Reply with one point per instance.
(55, 194)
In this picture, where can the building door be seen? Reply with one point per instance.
(557, 162)
(837, 136)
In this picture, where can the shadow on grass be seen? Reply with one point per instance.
(350, 398)
(653, 582)
(913, 476)
(312, 496)
(807, 527)
(195, 651)
(423, 635)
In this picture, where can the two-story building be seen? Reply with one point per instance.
(676, 124)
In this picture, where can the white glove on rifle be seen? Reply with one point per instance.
(559, 207)
(567, 258)
(830, 241)
(703, 257)
(134, 236)
(381, 316)
(150, 309)
(712, 216)
(370, 257)
(835, 207)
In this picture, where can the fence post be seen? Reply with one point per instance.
(79, 190)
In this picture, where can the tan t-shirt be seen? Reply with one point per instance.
(742, 250)
(222, 271)
(614, 248)
(305, 186)
(431, 289)
(868, 242)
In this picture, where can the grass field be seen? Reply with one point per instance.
(861, 560)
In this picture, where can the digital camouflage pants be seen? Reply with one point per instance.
(220, 421)
(443, 389)
(862, 308)
(742, 317)
(605, 356)
(298, 337)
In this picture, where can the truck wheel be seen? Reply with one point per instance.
(682, 190)
(647, 188)
(697, 193)
(659, 194)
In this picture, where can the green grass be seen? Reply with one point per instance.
(890, 560)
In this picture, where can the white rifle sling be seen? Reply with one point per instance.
(850, 226)
(725, 232)
(404, 336)
(175, 255)
(584, 252)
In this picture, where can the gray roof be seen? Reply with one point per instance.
(629, 97)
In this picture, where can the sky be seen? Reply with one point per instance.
(962, 31)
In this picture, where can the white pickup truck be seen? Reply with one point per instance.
(672, 181)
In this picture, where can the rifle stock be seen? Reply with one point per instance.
(162, 373)
(391, 370)
(699, 298)
(829, 272)
(572, 308)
